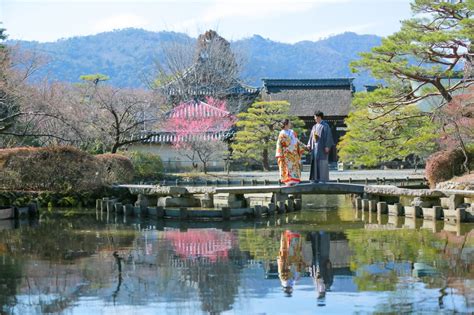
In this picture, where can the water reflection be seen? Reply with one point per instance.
(321, 265)
(10, 275)
(205, 260)
(290, 260)
(307, 255)
(339, 259)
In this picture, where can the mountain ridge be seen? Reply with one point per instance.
(127, 55)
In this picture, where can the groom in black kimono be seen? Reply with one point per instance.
(320, 143)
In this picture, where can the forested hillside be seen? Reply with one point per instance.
(128, 55)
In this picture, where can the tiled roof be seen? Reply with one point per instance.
(171, 137)
(197, 88)
(329, 82)
(331, 96)
(238, 89)
(196, 109)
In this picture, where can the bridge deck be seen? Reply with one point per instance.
(305, 188)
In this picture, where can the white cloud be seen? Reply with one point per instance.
(120, 21)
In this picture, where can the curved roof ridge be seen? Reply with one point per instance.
(176, 110)
(308, 82)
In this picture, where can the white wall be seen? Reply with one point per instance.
(176, 159)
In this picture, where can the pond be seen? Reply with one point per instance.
(327, 258)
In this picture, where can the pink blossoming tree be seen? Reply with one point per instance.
(198, 129)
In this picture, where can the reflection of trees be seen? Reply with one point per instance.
(10, 280)
(50, 247)
(209, 261)
(367, 281)
(59, 240)
(118, 261)
(217, 283)
(346, 213)
(380, 257)
(261, 244)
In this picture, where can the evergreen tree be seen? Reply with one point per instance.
(429, 48)
(94, 78)
(258, 131)
(421, 64)
(372, 139)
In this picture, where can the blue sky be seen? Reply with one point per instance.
(280, 20)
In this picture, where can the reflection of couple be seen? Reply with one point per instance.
(289, 150)
(291, 262)
(321, 266)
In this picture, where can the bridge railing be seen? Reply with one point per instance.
(400, 182)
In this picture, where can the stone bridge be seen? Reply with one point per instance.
(263, 200)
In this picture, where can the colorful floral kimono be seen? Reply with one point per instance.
(288, 153)
(290, 260)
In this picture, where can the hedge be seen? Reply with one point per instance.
(60, 169)
(51, 168)
(148, 166)
(115, 168)
(444, 165)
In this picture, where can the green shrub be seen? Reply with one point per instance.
(148, 166)
(115, 168)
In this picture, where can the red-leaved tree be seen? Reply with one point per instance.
(458, 121)
(198, 129)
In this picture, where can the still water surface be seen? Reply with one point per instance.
(326, 259)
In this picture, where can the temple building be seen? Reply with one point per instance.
(214, 72)
(239, 96)
(331, 96)
(169, 140)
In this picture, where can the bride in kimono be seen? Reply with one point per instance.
(288, 153)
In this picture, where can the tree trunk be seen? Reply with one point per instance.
(204, 167)
(115, 148)
(266, 164)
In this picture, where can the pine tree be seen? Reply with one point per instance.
(258, 131)
(371, 139)
(428, 62)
